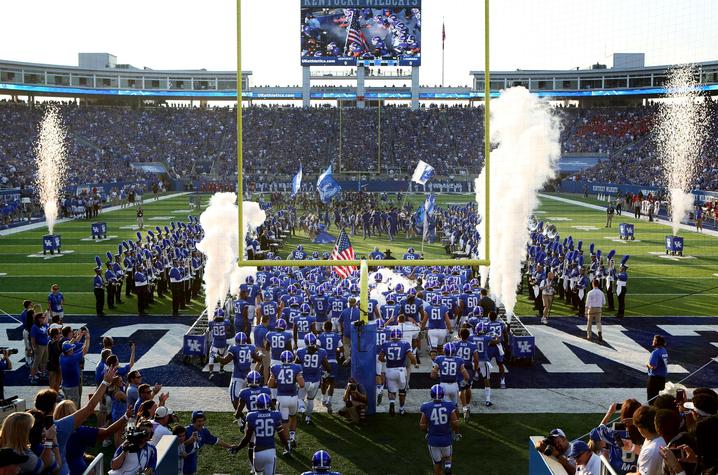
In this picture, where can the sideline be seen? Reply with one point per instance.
(42, 224)
(685, 227)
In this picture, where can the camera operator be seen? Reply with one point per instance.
(355, 401)
(136, 454)
(556, 445)
(5, 364)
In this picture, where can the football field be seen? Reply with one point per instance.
(659, 285)
(569, 385)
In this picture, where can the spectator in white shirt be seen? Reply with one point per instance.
(595, 300)
(649, 459)
(587, 463)
(163, 416)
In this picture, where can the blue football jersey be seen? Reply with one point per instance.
(321, 307)
(436, 317)
(242, 359)
(438, 414)
(330, 341)
(470, 301)
(482, 346)
(270, 309)
(303, 324)
(219, 331)
(448, 367)
(337, 306)
(286, 377)
(395, 353)
(496, 329)
(278, 342)
(311, 363)
(465, 350)
(249, 396)
(264, 424)
(382, 336)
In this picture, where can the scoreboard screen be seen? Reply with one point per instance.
(361, 32)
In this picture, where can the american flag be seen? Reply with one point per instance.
(343, 251)
(354, 33)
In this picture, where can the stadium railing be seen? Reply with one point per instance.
(97, 467)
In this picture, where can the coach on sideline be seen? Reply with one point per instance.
(595, 300)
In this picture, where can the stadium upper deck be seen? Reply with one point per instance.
(30, 79)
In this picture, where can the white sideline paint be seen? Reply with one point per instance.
(685, 227)
(42, 224)
(506, 401)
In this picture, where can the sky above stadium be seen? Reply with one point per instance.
(183, 34)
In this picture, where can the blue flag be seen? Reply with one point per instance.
(297, 181)
(422, 173)
(327, 186)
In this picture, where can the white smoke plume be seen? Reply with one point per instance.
(526, 133)
(681, 130)
(50, 160)
(253, 216)
(388, 282)
(220, 245)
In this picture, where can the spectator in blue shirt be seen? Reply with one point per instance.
(39, 340)
(203, 437)
(70, 361)
(657, 368)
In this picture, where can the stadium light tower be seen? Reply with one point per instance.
(363, 264)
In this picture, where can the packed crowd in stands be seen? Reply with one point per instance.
(102, 142)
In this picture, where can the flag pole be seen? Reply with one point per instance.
(443, 39)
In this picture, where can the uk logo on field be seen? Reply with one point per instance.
(48, 243)
(194, 346)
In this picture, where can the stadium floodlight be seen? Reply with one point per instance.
(364, 264)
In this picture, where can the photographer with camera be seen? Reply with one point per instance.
(136, 455)
(355, 402)
(5, 364)
(556, 445)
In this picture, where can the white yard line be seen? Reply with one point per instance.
(684, 227)
(506, 401)
(42, 224)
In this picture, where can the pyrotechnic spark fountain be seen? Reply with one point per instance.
(50, 161)
(681, 130)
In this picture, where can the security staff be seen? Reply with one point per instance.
(111, 280)
(141, 284)
(99, 289)
(176, 287)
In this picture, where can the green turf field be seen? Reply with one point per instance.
(496, 443)
(657, 286)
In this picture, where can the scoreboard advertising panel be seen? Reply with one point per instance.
(361, 32)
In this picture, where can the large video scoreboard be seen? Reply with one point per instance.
(361, 32)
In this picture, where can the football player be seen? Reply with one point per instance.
(466, 350)
(218, 329)
(331, 342)
(287, 378)
(313, 360)
(438, 420)
(438, 322)
(262, 424)
(382, 335)
(276, 342)
(448, 368)
(497, 331)
(481, 340)
(303, 325)
(242, 354)
(321, 464)
(394, 354)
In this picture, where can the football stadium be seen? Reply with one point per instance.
(352, 241)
